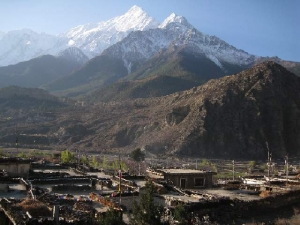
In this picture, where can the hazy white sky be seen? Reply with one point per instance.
(260, 27)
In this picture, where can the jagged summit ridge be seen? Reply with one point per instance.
(175, 19)
(135, 19)
(214, 48)
(94, 38)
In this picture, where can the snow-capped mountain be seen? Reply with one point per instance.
(138, 47)
(21, 45)
(214, 48)
(176, 22)
(129, 40)
(73, 54)
(94, 38)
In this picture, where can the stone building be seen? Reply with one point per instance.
(15, 167)
(188, 178)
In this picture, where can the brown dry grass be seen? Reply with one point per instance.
(265, 194)
(293, 221)
(35, 208)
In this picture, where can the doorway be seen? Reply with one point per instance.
(182, 182)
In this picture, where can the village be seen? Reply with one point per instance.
(48, 190)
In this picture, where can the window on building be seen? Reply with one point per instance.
(199, 181)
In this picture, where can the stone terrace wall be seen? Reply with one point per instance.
(228, 210)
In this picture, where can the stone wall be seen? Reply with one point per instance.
(189, 180)
(16, 168)
(229, 210)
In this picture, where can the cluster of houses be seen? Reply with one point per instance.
(57, 191)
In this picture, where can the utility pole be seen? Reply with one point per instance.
(120, 178)
(233, 169)
(287, 167)
(17, 140)
(77, 154)
(140, 168)
(269, 162)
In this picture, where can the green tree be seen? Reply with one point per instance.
(205, 162)
(94, 162)
(252, 164)
(116, 164)
(104, 162)
(147, 212)
(124, 166)
(2, 152)
(84, 159)
(137, 155)
(67, 156)
(22, 155)
(181, 214)
(111, 217)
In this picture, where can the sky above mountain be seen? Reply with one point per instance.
(264, 28)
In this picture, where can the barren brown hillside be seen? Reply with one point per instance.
(234, 116)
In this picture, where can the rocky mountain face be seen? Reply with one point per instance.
(73, 55)
(38, 71)
(151, 87)
(234, 116)
(169, 71)
(175, 48)
(240, 114)
(230, 117)
(293, 67)
(96, 73)
(30, 113)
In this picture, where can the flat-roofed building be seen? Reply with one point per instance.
(15, 167)
(188, 178)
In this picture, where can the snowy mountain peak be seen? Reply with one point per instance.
(173, 18)
(135, 10)
(134, 19)
(94, 38)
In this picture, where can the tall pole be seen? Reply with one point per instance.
(269, 162)
(17, 141)
(287, 167)
(233, 170)
(140, 169)
(120, 178)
